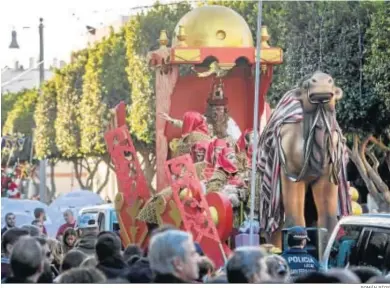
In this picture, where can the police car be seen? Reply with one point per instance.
(105, 215)
(360, 241)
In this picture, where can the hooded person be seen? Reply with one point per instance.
(227, 180)
(110, 260)
(215, 148)
(199, 154)
(88, 229)
(194, 129)
(244, 149)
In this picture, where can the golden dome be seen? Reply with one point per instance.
(214, 26)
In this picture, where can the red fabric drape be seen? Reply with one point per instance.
(193, 122)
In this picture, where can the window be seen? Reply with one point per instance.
(344, 246)
(101, 222)
(376, 252)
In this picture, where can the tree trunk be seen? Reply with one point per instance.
(375, 185)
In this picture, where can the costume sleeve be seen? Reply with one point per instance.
(233, 130)
(216, 182)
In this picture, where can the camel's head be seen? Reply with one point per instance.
(317, 89)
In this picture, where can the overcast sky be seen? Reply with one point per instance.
(64, 20)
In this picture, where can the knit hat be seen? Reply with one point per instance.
(107, 246)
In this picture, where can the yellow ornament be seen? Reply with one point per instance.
(173, 144)
(353, 192)
(356, 208)
(185, 192)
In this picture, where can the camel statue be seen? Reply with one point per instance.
(303, 145)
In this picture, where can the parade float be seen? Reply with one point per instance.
(204, 132)
(213, 173)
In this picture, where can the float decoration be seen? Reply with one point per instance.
(133, 189)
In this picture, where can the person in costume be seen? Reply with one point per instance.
(215, 148)
(227, 180)
(244, 149)
(193, 130)
(199, 150)
(219, 123)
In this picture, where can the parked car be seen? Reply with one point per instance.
(107, 218)
(360, 241)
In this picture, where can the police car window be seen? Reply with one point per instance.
(344, 246)
(377, 251)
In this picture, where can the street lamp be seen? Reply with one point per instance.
(42, 163)
(14, 44)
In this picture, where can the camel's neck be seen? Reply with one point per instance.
(317, 130)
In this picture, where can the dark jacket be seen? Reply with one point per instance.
(167, 278)
(300, 261)
(140, 272)
(5, 268)
(113, 268)
(5, 228)
(86, 244)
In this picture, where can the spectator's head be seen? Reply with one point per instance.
(68, 216)
(45, 248)
(140, 272)
(297, 237)
(173, 252)
(27, 259)
(72, 259)
(56, 250)
(277, 267)
(88, 225)
(317, 277)
(70, 236)
(10, 220)
(247, 265)
(33, 230)
(206, 267)
(89, 262)
(37, 223)
(39, 214)
(365, 273)
(108, 246)
(9, 239)
(132, 250)
(132, 260)
(82, 275)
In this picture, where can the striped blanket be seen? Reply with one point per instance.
(271, 160)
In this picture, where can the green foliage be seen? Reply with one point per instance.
(142, 33)
(93, 112)
(377, 66)
(44, 116)
(115, 85)
(69, 85)
(141, 117)
(7, 102)
(20, 118)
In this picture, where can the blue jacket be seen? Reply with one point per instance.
(300, 261)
